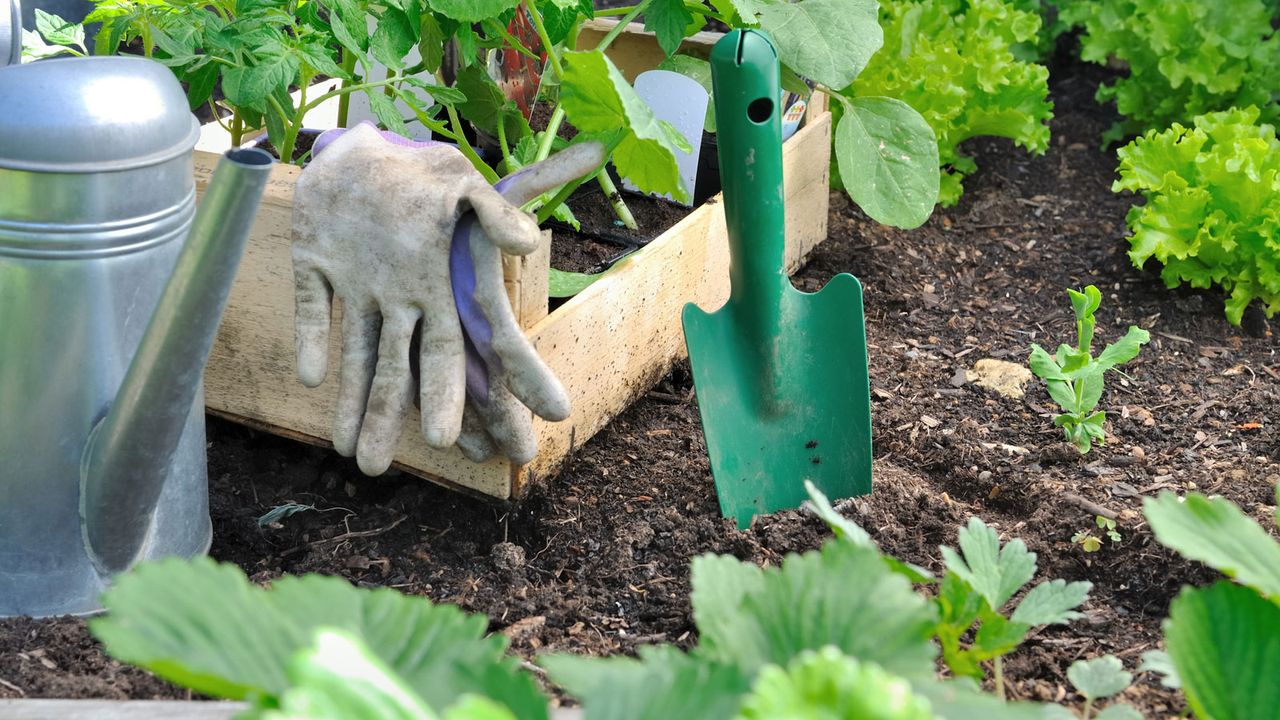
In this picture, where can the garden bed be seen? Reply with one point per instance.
(595, 560)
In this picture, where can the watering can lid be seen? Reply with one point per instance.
(96, 114)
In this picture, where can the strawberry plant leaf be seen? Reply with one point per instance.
(1159, 662)
(995, 573)
(827, 41)
(1100, 677)
(1216, 533)
(598, 99)
(205, 626)
(1052, 603)
(667, 19)
(828, 684)
(663, 683)
(806, 604)
(888, 160)
(996, 636)
(339, 677)
(1225, 643)
(849, 531)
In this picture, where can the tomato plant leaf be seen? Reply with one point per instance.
(667, 19)
(597, 98)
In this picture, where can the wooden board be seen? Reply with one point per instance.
(608, 345)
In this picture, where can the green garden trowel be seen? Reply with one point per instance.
(781, 375)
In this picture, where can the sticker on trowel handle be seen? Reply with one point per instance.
(682, 102)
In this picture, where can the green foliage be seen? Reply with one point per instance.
(828, 684)
(1074, 377)
(980, 580)
(205, 626)
(954, 62)
(1099, 679)
(1224, 640)
(887, 158)
(599, 100)
(837, 633)
(1212, 212)
(1185, 57)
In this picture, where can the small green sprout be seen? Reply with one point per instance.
(1074, 377)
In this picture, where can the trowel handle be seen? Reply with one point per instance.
(745, 77)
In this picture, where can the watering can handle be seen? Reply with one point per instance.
(747, 84)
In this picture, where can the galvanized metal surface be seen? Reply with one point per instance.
(10, 32)
(96, 199)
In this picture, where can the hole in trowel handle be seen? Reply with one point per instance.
(760, 110)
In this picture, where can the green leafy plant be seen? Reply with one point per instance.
(1098, 679)
(1092, 543)
(311, 643)
(956, 63)
(1184, 57)
(1223, 641)
(981, 579)
(1212, 211)
(839, 632)
(1074, 377)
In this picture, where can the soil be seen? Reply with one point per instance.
(595, 560)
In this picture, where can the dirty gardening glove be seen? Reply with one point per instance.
(374, 224)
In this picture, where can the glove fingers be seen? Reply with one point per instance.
(507, 226)
(523, 371)
(360, 324)
(565, 166)
(389, 396)
(474, 441)
(441, 373)
(313, 297)
(510, 425)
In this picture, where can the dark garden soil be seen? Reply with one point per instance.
(595, 560)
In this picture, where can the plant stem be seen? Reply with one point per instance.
(553, 57)
(549, 135)
(615, 199)
(344, 102)
(622, 25)
(237, 129)
(999, 677)
(466, 148)
(217, 117)
(1088, 708)
(502, 142)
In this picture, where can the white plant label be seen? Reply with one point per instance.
(682, 102)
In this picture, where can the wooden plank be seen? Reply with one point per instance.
(150, 710)
(636, 50)
(527, 278)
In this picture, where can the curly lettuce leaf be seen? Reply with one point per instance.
(1212, 212)
(1185, 57)
(953, 61)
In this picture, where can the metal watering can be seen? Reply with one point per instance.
(111, 288)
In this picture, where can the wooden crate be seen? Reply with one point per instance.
(608, 345)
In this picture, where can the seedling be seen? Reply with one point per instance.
(1074, 377)
(1098, 679)
(1092, 543)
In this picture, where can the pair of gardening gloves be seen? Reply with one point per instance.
(410, 237)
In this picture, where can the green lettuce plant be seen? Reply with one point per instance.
(1212, 211)
(1184, 57)
(1223, 641)
(1074, 377)
(956, 62)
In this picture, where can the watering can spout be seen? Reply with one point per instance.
(127, 459)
